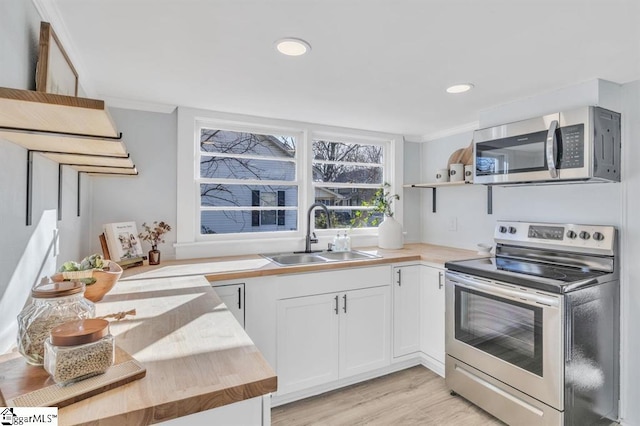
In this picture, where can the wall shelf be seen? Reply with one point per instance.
(434, 185)
(72, 131)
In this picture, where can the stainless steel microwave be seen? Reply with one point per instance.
(579, 145)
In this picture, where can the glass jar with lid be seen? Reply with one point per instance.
(77, 350)
(52, 303)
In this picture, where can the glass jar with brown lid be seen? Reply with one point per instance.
(52, 303)
(77, 350)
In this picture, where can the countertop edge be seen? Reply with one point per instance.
(213, 268)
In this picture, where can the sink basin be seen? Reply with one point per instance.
(347, 255)
(288, 259)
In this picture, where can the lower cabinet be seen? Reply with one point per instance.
(432, 315)
(326, 337)
(233, 296)
(406, 310)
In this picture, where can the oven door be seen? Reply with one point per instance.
(508, 332)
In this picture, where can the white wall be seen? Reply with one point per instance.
(150, 138)
(29, 253)
(630, 290)
(411, 197)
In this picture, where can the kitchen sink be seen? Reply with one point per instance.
(289, 259)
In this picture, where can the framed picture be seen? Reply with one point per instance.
(55, 72)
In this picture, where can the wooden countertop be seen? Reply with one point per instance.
(196, 354)
(248, 266)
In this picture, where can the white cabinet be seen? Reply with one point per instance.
(326, 337)
(365, 329)
(432, 316)
(406, 310)
(233, 296)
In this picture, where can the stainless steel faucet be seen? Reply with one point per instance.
(308, 239)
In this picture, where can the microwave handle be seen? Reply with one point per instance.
(552, 149)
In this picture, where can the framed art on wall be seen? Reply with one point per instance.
(55, 72)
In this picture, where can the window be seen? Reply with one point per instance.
(244, 184)
(346, 176)
(247, 181)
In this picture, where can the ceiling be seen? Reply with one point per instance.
(378, 65)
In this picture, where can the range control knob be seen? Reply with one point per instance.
(571, 234)
(502, 229)
(512, 230)
(585, 235)
(598, 236)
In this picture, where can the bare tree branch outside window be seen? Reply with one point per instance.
(241, 156)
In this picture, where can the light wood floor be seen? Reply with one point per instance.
(416, 396)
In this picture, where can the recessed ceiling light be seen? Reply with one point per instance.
(460, 88)
(292, 46)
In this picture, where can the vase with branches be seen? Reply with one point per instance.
(154, 236)
(390, 230)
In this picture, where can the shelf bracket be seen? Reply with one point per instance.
(489, 199)
(79, 193)
(29, 185)
(433, 200)
(65, 134)
(59, 191)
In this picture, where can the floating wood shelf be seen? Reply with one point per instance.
(71, 131)
(434, 185)
(437, 184)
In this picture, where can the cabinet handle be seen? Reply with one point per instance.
(345, 303)
(336, 309)
(399, 277)
(440, 279)
(239, 298)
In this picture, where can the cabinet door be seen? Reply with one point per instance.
(432, 320)
(307, 349)
(365, 327)
(233, 296)
(406, 310)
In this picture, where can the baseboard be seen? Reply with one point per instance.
(432, 364)
(398, 364)
(278, 400)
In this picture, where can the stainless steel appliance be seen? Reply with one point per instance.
(576, 145)
(532, 334)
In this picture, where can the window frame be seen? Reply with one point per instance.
(191, 244)
(386, 165)
(245, 128)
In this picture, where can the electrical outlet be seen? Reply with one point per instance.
(453, 224)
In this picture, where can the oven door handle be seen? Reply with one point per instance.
(496, 290)
(552, 149)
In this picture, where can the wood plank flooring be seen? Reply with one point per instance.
(416, 396)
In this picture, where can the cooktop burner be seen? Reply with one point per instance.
(542, 276)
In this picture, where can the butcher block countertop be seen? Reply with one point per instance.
(249, 266)
(196, 354)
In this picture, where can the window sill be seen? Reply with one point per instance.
(199, 249)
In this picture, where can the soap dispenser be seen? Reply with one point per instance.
(337, 242)
(347, 241)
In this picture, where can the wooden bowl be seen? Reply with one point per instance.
(105, 280)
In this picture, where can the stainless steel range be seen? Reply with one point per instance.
(532, 334)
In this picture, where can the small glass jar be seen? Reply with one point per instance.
(51, 304)
(77, 350)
